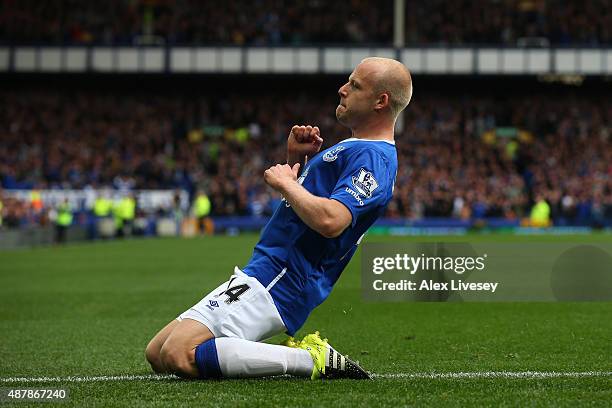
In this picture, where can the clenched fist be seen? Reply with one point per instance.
(304, 141)
(277, 176)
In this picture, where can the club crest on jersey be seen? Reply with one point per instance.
(332, 155)
(365, 183)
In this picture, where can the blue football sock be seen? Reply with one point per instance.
(207, 360)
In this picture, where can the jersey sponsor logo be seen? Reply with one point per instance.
(355, 195)
(365, 183)
(332, 155)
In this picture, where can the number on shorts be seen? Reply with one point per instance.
(234, 293)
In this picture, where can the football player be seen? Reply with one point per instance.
(330, 199)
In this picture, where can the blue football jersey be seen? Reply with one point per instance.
(296, 264)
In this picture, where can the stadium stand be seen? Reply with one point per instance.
(553, 22)
(239, 22)
(274, 22)
(463, 157)
(187, 117)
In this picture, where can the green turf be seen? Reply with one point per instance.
(90, 309)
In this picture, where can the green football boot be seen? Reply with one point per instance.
(328, 363)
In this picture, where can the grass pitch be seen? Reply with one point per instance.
(90, 309)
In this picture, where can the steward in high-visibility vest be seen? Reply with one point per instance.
(102, 210)
(201, 210)
(63, 221)
(128, 208)
(125, 212)
(540, 214)
(102, 207)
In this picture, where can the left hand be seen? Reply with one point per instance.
(277, 176)
(304, 141)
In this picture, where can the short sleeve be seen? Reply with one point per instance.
(362, 185)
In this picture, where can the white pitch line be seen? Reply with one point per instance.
(101, 378)
(432, 376)
(495, 374)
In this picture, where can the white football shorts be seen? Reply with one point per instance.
(240, 307)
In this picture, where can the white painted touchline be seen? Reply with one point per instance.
(101, 378)
(433, 376)
(496, 374)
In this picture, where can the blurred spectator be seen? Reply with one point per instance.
(557, 22)
(452, 161)
(238, 22)
(298, 22)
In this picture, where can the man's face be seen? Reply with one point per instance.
(356, 96)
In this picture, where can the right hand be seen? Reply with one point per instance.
(304, 140)
(277, 176)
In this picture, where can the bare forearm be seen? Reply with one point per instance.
(316, 212)
(326, 216)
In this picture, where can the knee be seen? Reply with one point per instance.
(178, 361)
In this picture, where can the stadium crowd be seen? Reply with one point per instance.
(556, 22)
(465, 157)
(276, 22)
